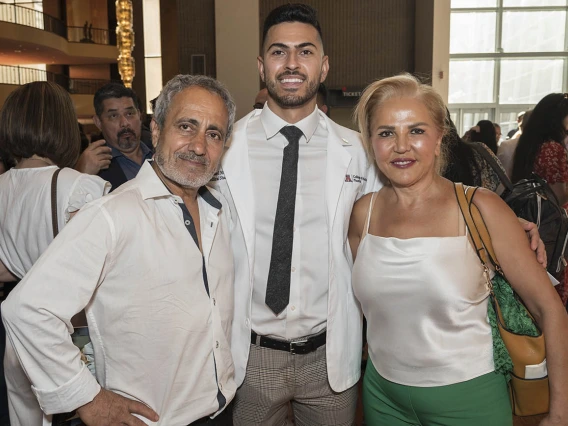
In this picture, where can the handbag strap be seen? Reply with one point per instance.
(54, 223)
(476, 226)
(491, 161)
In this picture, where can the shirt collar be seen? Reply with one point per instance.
(151, 186)
(272, 123)
(146, 152)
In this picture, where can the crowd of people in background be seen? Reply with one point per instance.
(223, 269)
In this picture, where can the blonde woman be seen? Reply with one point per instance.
(420, 282)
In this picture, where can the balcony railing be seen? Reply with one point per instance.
(21, 75)
(36, 19)
(87, 35)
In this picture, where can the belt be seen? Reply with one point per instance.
(300, 346)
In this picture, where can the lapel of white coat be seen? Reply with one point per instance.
(338, 159)
(236, 167)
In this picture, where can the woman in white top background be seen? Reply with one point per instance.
(420, 282)
(38, 130)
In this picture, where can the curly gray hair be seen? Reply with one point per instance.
(184, 81)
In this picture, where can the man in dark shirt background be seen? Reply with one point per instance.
(119, 157)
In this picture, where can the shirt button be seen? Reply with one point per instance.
(175, 201)
(293, 269)
(292, 308)
(217, 344)
(220, 386)
(247, 322)
(187, 222)
(214, 302)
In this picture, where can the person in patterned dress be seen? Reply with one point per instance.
(542, 150)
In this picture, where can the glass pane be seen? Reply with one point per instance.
(526, 81)
(461, 4)
(470, 119)
(520, 3)
(471, 81)
(472, 32)
(533, 31)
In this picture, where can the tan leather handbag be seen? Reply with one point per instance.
(528, 396)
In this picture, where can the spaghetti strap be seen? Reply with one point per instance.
(368, 220)
(466, 189)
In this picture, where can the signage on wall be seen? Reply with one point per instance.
(350, 93)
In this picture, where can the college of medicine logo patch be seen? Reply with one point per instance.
(355, 178)
(220, 175)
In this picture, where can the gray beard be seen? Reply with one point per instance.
(169, 170)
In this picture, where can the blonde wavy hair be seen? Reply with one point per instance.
(399, 86)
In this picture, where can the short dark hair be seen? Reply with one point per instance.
(113, 90)
(39, 118)
(295, 12)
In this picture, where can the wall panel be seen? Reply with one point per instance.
(196, 34)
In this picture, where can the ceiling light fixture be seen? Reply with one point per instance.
(125, 40)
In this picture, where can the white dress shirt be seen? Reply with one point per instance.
(159, 338)
(306, 313)
(25, 210)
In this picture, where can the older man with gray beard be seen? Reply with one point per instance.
(152, 267)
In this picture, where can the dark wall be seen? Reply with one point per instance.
(365, 39)
(139, 83)
(196, 34)
(169, 26)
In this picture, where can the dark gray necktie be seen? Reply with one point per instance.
(278, 285)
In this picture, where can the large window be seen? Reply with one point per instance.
(505, 55)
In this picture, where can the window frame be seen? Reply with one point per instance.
(495, 109)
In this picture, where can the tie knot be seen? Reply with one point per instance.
(291, 133)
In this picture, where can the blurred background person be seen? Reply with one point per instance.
(321, 100)
(261, 98)
(506, 150)
(38, 129)
(118, 117)
(498, 132)
(541, 149)
(484, 132)
(464, 164)
(513, 132)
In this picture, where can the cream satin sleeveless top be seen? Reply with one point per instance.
(425, 300)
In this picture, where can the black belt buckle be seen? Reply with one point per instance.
(301, 347)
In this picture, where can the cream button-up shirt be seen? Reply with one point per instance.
(158, 337)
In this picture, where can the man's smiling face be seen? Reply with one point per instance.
(293, 64)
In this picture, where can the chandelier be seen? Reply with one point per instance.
(125, 41)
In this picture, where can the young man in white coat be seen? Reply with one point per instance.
(293, 176)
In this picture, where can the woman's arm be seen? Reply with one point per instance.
(530, 281)
(357, 223)
(5, 275)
